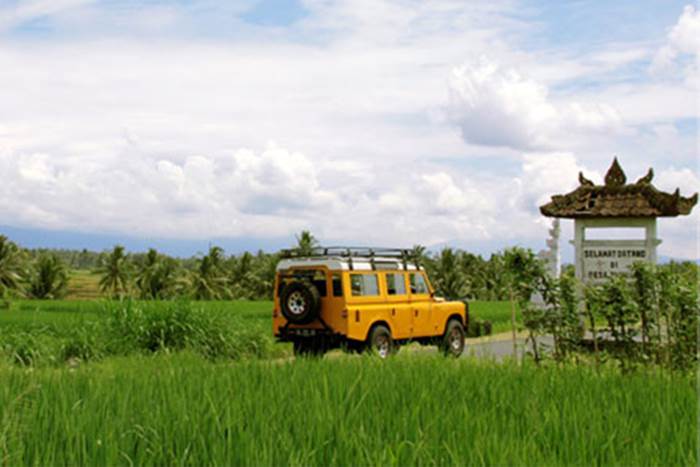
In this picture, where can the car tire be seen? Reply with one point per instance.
(453, 340)
(380, 342)
(300, 302)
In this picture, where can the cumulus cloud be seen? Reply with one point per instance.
(681, 48)
(101, 130)
(547, 174)
(242, 193)
(498, 106)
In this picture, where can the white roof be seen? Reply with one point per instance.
(340, 263)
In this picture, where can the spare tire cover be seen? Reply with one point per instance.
(300, 302)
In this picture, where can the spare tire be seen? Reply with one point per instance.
(300, 302)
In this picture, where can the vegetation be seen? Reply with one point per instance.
(47, 278)
(40, 333)
(650, 318)
(115, 271)
(153, 275)
(11, 267)
(178, 409)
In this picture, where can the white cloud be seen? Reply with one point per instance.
(672, 178)
(497, 106)
(221, 195)
(547, 174)
(150, 137)
(681, 48)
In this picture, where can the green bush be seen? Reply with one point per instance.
(29, 349)
(173, 326)
(128, 327)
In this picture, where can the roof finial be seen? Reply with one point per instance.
(583, 180)
(615, 175)
(647, 178)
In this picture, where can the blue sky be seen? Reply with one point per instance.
(390, 122)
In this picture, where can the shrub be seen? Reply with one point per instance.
(172, 326)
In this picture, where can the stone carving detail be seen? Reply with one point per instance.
(583, 180)
(615, 176)
(618, 199)
(647, 178)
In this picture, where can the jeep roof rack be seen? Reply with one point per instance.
(405, 255)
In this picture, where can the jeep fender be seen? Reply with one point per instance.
(376, 323)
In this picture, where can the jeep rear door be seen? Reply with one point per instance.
(421, 304)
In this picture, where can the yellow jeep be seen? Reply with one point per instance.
(362, 299)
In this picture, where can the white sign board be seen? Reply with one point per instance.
(601, 261)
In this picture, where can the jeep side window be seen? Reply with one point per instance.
(337, 285)
(364, 284)
(395, 284)
(418, 285)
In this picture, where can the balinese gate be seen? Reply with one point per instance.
(617, 204)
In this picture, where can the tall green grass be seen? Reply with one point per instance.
(180, 410)
(50, 334)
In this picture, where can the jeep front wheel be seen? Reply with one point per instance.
(380, 341)
(453, 340)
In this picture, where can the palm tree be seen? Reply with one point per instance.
(11, 266)
(449, 278)
(208, 281)
(115, 271)
(264, 270)
(241, 276)
(157, 276)
(48, 278)
(306, 243)
(418, 254)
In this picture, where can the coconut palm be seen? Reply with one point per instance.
(264, 269)
(418, 254)
(11, 266)
(157, 277)
(448, 277)
(115, 271)
(306, 243)
(241, 276)
(48, 278)
(208, 281)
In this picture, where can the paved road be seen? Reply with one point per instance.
(499, 347)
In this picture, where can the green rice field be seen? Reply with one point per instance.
(203, 383)
(180, 410)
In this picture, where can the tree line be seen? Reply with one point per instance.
(44, 273)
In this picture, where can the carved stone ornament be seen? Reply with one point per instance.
(615, 176)
(617, 198)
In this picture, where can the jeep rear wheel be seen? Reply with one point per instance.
(380, 341)
(453, 340)
(300, 302)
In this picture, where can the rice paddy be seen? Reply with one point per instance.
(208, 387)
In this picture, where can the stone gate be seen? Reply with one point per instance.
(616, 204)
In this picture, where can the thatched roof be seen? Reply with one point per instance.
(618, 199)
